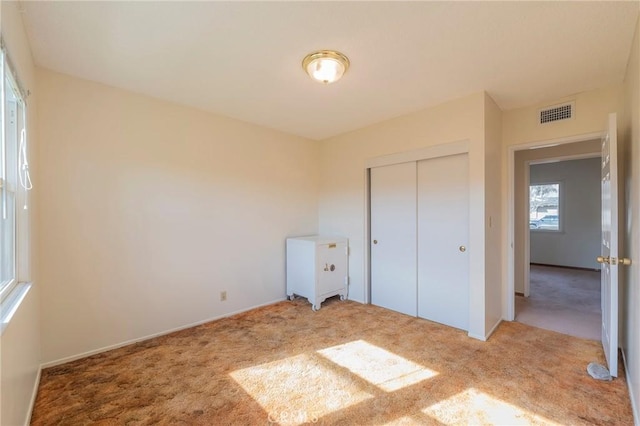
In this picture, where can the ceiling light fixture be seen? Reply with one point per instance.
(325, 66)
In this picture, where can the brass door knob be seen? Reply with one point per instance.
(375, 241)
(462, 249)
(614, 261)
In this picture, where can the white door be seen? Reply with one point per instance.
(443, 235)
(393, 237)
(609, 256)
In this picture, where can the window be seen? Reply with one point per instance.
(14, 184)
(544, 207)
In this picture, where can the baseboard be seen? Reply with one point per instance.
(477, 337)
(566, 267)
(151, 336)
(634, 407)
(34, 395)
(493, 329)
(486, 336)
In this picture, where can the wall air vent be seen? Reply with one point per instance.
(556, 113)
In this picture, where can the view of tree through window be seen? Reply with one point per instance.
(544, 213)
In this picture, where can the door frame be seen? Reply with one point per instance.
(509, 296)
(434, 151)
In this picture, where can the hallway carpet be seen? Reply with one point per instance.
(562, 300)
(347, 364)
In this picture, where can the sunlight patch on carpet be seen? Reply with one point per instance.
(378, 366)
(299, 389)
(475, 407)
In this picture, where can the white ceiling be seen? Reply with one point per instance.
(243, 59)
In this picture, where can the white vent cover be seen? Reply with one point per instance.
(556, 113)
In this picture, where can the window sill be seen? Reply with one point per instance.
(10, 304)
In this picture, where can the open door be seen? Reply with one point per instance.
(609, 250)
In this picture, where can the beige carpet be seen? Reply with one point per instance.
(347, 364)
(562, 300)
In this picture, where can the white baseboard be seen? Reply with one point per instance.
(34, 395)
(486, 337)
(151, 336)
(477, 337)
(634, 407)
(493, 329)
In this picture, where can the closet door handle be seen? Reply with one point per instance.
(462, 249)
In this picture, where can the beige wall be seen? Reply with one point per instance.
(343, 199)
(20, 342)
(493, 214)
(630, 289)
(149, 210)
(520, 130)
(591, 110)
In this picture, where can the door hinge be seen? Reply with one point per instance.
(346, 280)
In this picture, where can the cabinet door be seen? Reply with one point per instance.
(332, 267)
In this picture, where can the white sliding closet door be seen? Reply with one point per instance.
(443, 235)
(393, 237)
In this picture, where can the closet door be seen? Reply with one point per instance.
(443, 235)
(393, 237)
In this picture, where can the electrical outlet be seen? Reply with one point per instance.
(223, 296)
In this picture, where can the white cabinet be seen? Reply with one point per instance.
(317, 268)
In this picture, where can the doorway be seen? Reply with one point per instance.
(564, 215)
(520, 158)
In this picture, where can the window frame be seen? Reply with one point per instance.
(14, 290)
(560, 212)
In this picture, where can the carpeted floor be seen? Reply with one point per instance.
(348, 364)
(562, 300)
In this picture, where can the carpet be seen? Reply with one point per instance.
(562, 300)
(347, 364)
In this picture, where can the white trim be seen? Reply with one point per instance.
(6, 288)
(367, 237)
(434, 151)
(566, 158)
(477, 337)
(509, 302)
(494, 328)
(509, 309)
(634, 407)
(486, 337)
(34, 395)
(151, 336)
(526, 269)
(10, 304)
(558, 141)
